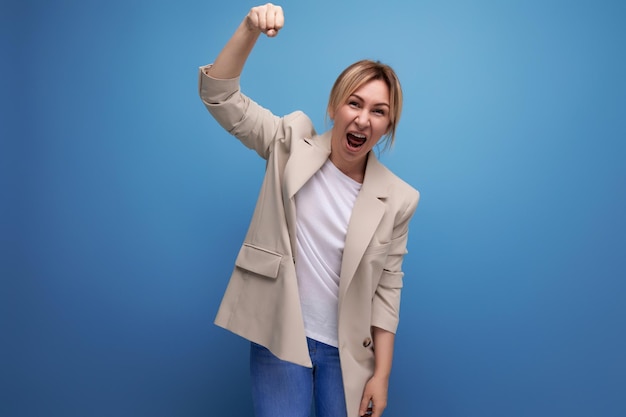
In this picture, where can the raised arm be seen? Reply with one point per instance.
(268, 19)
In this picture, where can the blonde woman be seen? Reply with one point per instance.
(316, 284)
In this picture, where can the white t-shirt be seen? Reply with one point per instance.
(323, 208)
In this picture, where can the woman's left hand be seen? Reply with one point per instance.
(374, 398)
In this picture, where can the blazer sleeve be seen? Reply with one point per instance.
(255, 126)
(386, 301)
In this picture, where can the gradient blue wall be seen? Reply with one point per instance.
(124, 203)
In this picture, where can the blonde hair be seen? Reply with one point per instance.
(359, 74)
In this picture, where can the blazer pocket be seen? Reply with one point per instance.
(390, 279)
(258, 260)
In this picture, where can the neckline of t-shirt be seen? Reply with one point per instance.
(330, 163)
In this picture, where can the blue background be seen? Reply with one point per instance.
(124, 203)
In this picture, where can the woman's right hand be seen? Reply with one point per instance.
(268, 19)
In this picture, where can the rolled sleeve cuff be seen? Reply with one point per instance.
(215, 90)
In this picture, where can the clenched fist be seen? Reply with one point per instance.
(268, 19)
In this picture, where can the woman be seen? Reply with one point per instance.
(316, 284)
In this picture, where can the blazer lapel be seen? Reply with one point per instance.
(307, 157)
(368, 210)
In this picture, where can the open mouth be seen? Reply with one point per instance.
(355, 140)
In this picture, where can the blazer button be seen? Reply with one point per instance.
(367, 342)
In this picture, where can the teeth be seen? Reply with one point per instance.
(356, 140)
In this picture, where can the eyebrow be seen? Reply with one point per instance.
(376, 104)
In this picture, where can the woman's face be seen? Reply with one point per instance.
(359, 123)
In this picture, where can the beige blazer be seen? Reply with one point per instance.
(261, 302)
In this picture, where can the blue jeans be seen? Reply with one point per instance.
(284, 389)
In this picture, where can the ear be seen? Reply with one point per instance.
(331, 114)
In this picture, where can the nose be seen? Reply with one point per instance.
(362, 119)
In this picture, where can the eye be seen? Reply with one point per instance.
(353, 103)
(379, 112)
